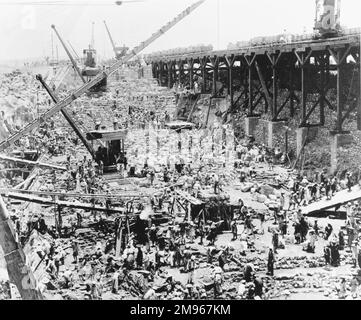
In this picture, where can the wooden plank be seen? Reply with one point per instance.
(68, 204)
(340, 198)
(78, 195)
(32, 163)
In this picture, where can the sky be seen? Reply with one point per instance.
(25, 30)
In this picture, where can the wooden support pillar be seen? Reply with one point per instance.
(292, 92)
(303, 92)
(250, 92)
(214, 83)
(153, 71)
(170, 74)
(358, 61)
(325, 65)
(341, 59)
(215, 64)
(274, 93)
(230, 88)
(274, 59)
(303, 60)
(340, 99)
(250, 61)
(181, 71)
(204, 74)
(191, 73)
(174, 71)
(160, 73)
(230, 64)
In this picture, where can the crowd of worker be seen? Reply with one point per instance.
(158, 250)
(171, 247)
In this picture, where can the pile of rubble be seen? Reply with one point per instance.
(20, 101)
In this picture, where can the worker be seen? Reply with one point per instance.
(311, 243)
(79, 218)
(328, 231)
(190, 268)
(275, 240)
(101, 167)
(139, 258)
(75, 247)
(316, 228)
(248, 223)
(43, 228)
(241, 292)
(342, 289)
(216, 183)
(349, 181)
(270, 262)
(57, 258)
(212, 234)
(115, 282)
(327, 254)
(125, 161)
(248, 272)
(335, 255)
(218, 280)
(222, 260)
(258, 287)
(151, 177)
(201, 233)
(97, 289)
(234, 230)
(341, 240)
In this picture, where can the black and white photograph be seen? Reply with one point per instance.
(196, 152)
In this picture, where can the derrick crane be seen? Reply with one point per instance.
(118, 51)
(91, 69)
(327, 20)
(69, 54)
(101, 76)
(68, 117)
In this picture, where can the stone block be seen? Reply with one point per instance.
(273, 129)
(337, 142)
(251, 125)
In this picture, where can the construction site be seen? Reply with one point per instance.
(185, 174)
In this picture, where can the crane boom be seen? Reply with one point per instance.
(69, 55)
(111, 39)
(102, 75)
(67, 116)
